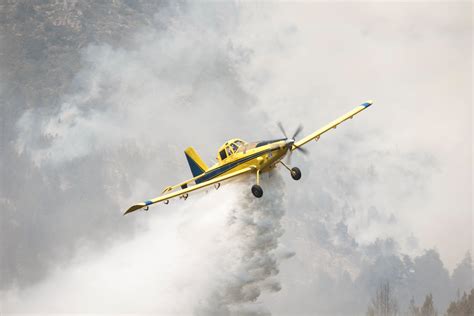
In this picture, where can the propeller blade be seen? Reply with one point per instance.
(282, 129)
(304, 151)
(298, 130)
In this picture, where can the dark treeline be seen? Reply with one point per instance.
(385, 304)
(388, 296)
(462, 306)
(391, 284)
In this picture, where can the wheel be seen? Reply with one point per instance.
(295, 173)
(257, 191)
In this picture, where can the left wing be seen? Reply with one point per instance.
(331, 125)
(181, 192)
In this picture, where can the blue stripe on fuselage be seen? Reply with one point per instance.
(222, 169)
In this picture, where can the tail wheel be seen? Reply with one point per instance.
(295, 173)
(257, 191)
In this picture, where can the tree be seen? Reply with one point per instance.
(428, 307)
(463, 275)
(383, 303)
(413, 310)
(430, 274)
(463, 307)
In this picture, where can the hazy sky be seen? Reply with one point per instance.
(394, 181)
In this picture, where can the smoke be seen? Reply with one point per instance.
(130, 97)
(213, 255)
(130, 113)
(117, 136)
(250, 265)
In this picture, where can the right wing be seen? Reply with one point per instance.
(331, 125)
(181, 192)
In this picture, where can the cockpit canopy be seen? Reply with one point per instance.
(229, 148)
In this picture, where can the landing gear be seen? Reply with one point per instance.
(295, 173)
(257, 191)
(256, 188)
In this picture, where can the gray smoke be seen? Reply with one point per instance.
(121, 129)
(70, 168)
(252, 237)
(213, 255)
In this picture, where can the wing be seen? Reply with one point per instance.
(331, 125)
(181, 192)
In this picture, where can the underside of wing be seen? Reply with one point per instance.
(182, 192)
(331, 125)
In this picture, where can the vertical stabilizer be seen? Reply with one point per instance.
(196, 164)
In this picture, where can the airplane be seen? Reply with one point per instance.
(237, 157)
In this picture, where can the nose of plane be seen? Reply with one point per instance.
(289, 142)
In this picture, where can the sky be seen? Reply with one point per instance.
(387, 195)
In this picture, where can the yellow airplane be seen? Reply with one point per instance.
(237, 157)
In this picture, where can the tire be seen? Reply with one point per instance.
(295, 173)
(257, 191)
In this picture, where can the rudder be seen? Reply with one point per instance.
(195, 162)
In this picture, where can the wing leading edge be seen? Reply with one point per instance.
(171, 195)
(331, 125)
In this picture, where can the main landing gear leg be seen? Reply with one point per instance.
(256, 188)
(295, 171)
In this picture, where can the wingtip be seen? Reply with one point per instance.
(367, 103)
(133, 208)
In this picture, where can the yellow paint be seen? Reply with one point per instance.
(191, 152)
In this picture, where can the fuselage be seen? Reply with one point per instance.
(262, 155)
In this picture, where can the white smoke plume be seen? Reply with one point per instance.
(213, 255)
(139, 107)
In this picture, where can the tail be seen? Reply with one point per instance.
(196, 164)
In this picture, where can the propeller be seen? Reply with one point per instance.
(282, 129)
(298, 130)
(291, 141)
